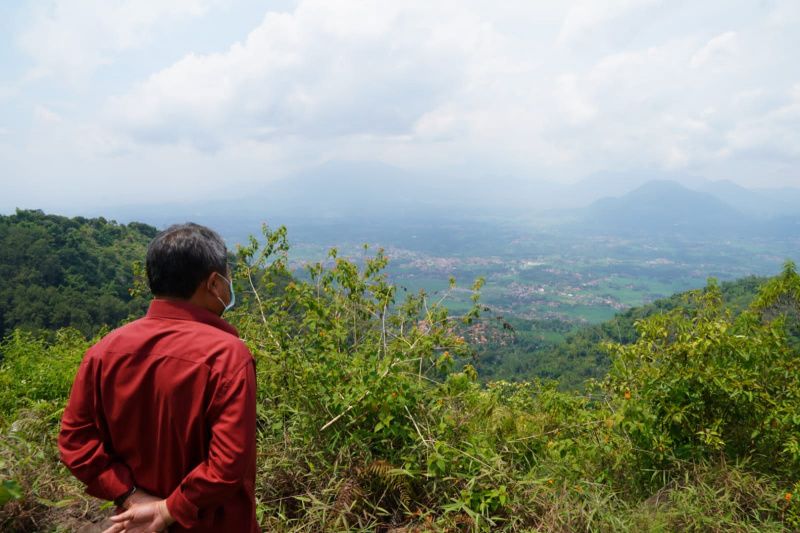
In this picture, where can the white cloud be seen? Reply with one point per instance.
(44, 114)
(622, 110)
(573, 101)
(71, 38)
(7, 92)
(775, 134)
(717, 49)
(588, 18)
(327, 69)
(557, 90)
(437, 82)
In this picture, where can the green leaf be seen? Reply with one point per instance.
(9, 490)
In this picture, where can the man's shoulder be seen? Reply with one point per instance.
(237, 355)
(217, 348)
(223, 351)
(223, 344)
(118, 336)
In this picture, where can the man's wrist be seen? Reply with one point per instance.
(123, 499)
(164, 512)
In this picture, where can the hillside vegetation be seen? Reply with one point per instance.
(517, 349)
(57, 271)
(368, 420)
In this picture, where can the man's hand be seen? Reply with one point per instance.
(142, 518)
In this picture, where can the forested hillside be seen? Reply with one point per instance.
(518, 349)
(57, 271)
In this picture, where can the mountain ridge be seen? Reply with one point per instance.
(664, 207)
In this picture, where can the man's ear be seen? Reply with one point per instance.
(210, 284)
(216, 285)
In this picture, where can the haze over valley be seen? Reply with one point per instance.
(570, 252)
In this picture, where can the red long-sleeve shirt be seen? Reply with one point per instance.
(167, 403)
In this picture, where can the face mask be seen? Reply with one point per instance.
(233, 294)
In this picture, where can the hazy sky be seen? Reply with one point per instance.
(113, 101)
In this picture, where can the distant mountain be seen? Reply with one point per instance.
(358, 189)
(358, 201)
(607, 184)
(785, 198)
(781, 227)
(347, 201)
(664, 207)
(346, 188)
(764, 203)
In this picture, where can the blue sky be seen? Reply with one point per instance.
(146, 101)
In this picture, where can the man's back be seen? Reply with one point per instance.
(167, 403)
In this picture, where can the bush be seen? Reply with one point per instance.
(34, 369)
(705, 384)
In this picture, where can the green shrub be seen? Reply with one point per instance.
(33, 369)
(705, 384)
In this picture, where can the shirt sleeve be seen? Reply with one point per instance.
(81, 444)
(232, 421)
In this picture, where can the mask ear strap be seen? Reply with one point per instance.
(232, 296)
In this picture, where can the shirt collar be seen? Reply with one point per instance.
(182, 310)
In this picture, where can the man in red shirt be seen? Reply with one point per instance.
(162, 414)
